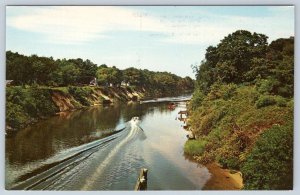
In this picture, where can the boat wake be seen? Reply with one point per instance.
(99, 170)
(63, 167)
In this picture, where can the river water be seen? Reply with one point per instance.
(103, 148)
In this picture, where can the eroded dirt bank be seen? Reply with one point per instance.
(27, 105)
(223, 179)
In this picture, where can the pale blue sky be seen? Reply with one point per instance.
(160, 38)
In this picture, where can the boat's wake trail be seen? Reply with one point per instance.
(134, 130)
(61, 169)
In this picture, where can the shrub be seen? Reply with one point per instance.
(228, 91)
(23, 104)
(265, 100)
(196, 100)
(194, 147)
(269, 165)
(281, 101)
(265, 86)
(81, 94)
(274, 86)
(15, 115)
(42, 102)
(230, 162)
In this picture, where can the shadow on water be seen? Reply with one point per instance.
(69, 129)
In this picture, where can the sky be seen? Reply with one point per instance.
(158, 38)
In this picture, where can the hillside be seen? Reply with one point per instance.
(27, 105)
(241, 112)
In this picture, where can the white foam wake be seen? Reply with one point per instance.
(99, 170)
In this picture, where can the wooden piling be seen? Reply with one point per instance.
(141, 183)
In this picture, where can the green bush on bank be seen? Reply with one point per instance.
(25, 104)
(81, 94)
(194, 147)
(15, 115)
(231, 162)
(267, 100)
(196, 100)
(269, 165)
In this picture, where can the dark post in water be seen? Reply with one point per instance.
(141, 183)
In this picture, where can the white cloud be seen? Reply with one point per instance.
(79, 24)
(211, 31)
(75, 24)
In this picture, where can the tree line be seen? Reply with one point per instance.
(29, 70)
(246, 58)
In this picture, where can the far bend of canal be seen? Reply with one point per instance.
(103, 148)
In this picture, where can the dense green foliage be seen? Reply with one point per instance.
(270, 163)
(229, 121)
(81, 94)
(26, 104)
(49, 72)
(242, 57)
(242, 104)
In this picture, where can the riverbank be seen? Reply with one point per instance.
(237, 125)
(27, 105)
(220, 177)
(223, 179)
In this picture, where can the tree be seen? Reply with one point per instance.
(62, 72)
(134, 76)
(109, 75)
(18, 68)
(69, 73)
(236, 52)
(87, 70)
(236, 59)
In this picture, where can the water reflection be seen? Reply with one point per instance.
(158, 146)
(70, 129)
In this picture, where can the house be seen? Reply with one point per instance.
(123, 83)
(93, 82)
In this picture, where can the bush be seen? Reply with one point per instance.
(196, 100)
(42, 101)
(273, 86)
(228, 91)
(15, 115)
(194, 147)
(281, 101)
(23, 104)
(265, 100)
(81, 94)
(265, 86)
(269, 165)
(230, 162)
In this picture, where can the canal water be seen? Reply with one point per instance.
(103, 148)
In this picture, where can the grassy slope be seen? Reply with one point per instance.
(230, 120)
